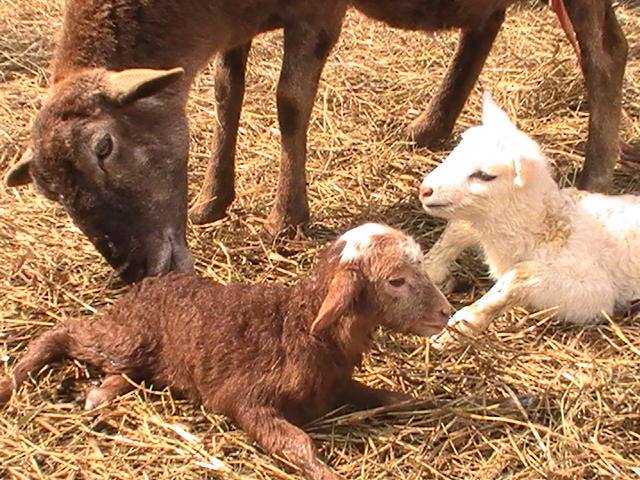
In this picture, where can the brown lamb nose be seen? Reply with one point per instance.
(271, 357)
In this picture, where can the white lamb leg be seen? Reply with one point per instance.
(509, 291)
(456, 237)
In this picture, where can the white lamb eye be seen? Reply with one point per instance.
(484, 176)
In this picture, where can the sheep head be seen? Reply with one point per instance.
(493, 164)
(379, 277)
(111, 148)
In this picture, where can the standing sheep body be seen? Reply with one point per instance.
(269, 356)
(546, 247)
(111, 141)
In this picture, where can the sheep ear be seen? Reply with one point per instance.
(525, 171)
(343, 290)
(128, 86)
(529, 164)
(20, 172)
(492, 114)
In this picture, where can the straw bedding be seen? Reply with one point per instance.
(532, 398)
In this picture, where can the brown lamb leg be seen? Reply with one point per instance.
(436, 123)
(111, 387)
(364, 397)
(218, 188)
(603, 49)
(96, 341)
(52, 345)
(305, 51)
(279, 437)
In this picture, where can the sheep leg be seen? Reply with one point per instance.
(218, 188)
(279, 437)
(306, 48)
(364, 397)
(96, 341)
(509, 291)
(603, 49)
(436, 123)
(557, 6)
(456, 237)
(111, 387)
(52, 345)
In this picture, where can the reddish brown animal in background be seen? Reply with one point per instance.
(590, 25)
(269, 356)
(112, 147)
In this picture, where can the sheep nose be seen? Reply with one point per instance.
(446, 312)
(424, 192)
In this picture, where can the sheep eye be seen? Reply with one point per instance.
(104, 147)
(484, 176)
(397, 282)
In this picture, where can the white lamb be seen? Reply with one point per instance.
(546, 247)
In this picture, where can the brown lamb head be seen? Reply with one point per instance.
(111, 148)
(380, 276)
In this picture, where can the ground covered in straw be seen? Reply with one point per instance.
(532, 398)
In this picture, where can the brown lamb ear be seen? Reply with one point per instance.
(128, 86)
(20, 172)
(344, 288)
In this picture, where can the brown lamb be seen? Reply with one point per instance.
(269, 356)
(111, 141)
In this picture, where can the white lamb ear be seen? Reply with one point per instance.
(493, 115)
(529, 165)
(523, 168)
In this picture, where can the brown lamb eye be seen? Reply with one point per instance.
(397, 282)
(104, 147)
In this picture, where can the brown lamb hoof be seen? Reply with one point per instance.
(203, 212)
(6, 390)
(397, 398)
(425, 134)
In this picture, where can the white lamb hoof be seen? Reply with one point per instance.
(460, 324)
(439, 342)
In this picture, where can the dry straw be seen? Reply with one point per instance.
(530, 399)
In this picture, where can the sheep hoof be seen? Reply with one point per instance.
(593, 181)
(95, 398)
(203, 213)
(287, 226)
(425, 134)
(629, 153)
(441, 341)
(397, 398)
(6, 390)
(462, 324)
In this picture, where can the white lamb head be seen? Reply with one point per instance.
(493, 164)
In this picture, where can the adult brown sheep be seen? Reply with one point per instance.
(111, 144)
